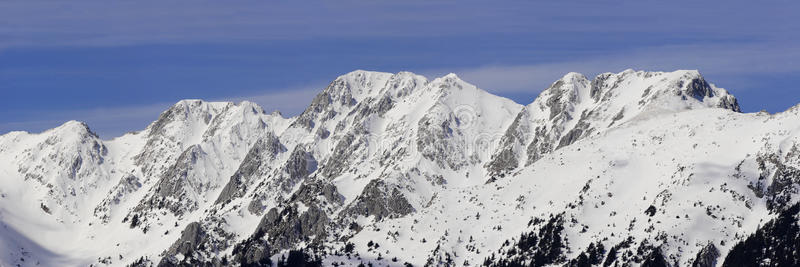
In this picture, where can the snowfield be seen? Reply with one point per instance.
(630, 168)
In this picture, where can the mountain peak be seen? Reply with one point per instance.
(451, 81)
(251, 106)
(451, 76)
(356, 85)
(73, 127)
(674, 90)
(360, 78)
(360, 72)
(573, 87)
(573, 76)
(189, 102)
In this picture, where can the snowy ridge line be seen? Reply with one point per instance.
(630, 168)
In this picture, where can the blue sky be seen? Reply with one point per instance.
(116, 65)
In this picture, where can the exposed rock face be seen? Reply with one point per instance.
(779, 178)
(298, 167)
(288, 226)
(253, 252)
(700, 89)
(435, 130)
(192, 238)
(340, 160)
(506, 158)
(175, 178)
(317, 192)
(177, 190)
(284, 227)
(165, 138)
(263, 152)
(199, 244)
(340, 96)
(380, 200)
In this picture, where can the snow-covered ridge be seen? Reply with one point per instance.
(430, 169)
(575, 107)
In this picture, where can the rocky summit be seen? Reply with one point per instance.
(624, 169)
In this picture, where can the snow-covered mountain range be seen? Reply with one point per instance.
(630, 168)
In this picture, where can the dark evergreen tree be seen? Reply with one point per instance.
(535, 248)
(299, 258)
(775, 244)
(655, 259)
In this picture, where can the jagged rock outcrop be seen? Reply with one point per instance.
(779, 178)
(283, 228)
(193, 237)
(178, 190)
(255, 164)
(380, 200)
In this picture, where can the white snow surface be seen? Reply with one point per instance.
(67, 197)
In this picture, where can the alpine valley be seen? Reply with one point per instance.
(624, 169)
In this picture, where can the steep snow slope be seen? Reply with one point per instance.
(575, 107)
(698, 169)
(55, 178)
(66, 186)
(633, 167)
